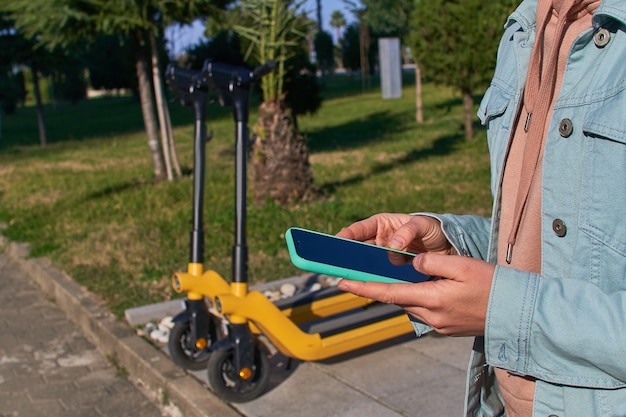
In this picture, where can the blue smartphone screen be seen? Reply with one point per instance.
(356, 256)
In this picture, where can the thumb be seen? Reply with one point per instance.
(441, 266)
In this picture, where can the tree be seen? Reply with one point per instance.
(17, 49)
(318, 9)
(60, 23)
(110, 63)
(456, 43)
(12, 89)
(280, 157)
(365, 41)
(391, 18)
(338, 22)
(350, 54)
(224, 47)
(323, 44)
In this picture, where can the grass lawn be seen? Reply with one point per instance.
(88, 202)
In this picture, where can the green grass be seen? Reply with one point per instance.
(88, 202)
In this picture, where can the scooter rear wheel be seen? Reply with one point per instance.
(228, 384)
(183, 351)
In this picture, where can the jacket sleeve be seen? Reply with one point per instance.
(529, 331)
(469, 235)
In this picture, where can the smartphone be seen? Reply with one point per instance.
(331, 255)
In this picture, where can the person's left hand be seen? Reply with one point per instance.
(455, 304)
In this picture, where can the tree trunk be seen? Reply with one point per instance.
(161, 106)
(280, 157)
(319, 15)
(468, 107)
(170, 135)
(41, 123)
(364, 45)
(419, 112)
(147, 107)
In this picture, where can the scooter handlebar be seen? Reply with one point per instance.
(226, 76)
(185, 80)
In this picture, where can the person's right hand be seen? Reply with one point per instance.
(400, 231)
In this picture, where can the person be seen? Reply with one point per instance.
(542, 283)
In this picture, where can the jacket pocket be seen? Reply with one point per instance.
(494, 104)
(603, 206)
(608, 121)
(496, 112)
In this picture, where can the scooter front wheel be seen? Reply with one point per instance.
(236, 385)
(183, 351)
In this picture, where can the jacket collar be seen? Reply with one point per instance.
(526, 13)
(615, 9)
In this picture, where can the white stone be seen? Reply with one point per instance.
(167, 322)
(288, 289)
(158, 336)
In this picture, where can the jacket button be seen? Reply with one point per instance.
(566, 128)
(559, 228)
(601, 38)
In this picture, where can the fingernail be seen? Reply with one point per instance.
(417, 260)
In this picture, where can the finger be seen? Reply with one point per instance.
(362, 289)
(404, 235)
(399, 294)
(407, 233)
(444, 266)
(363, 230)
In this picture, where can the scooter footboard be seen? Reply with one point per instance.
(294, 342)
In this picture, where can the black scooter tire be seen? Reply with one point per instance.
(186, 356)
(228, 385)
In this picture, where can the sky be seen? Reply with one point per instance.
(182, 37)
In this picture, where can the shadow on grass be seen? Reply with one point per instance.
(119, 188)
(442, 146)
(358, 132)
(89, 119)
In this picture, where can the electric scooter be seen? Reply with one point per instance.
(221, 326)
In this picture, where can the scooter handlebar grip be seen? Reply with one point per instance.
(263, 70)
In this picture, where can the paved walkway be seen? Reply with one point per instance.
(48, 368)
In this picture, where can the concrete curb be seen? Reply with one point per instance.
(147, 366)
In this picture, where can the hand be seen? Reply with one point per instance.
(400, 231)
(455, 305)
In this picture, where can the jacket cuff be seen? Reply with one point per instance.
(509, 318)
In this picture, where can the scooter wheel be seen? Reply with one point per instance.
(229, 384)
(183, 351)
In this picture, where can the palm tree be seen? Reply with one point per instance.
(280, 157)
(337, 21)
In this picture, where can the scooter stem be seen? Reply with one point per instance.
(233, 84)
(196, 246)
(192, 88)
(240, 249)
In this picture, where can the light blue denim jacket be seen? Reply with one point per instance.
(567, 326)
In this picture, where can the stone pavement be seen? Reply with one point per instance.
(48, 368)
